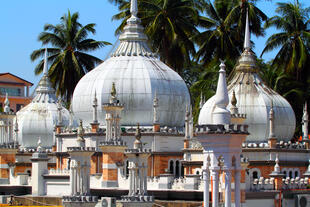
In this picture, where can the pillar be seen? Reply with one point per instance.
(215, 186)
(237, 187)
(39, 167)
(206, 180)
(227, 188)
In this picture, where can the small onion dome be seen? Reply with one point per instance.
(39, 117)
(255, 100)
(138, 74)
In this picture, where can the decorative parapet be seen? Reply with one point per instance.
(137, 199)
(113, 143)
(240, 116)
(279, 145)
(265, 184)
(138, 151)
(58, 172)
(81, 149)
(9, 145)
(222, 129)
(80, 199)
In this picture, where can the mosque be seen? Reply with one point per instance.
(130, 131)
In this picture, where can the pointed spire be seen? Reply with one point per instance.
(6, 104)
(138, 144)
(305, 122)
(45, 70)
(277, 166)
(95, 105)
(71, 118)
(220, 114)
(59, 110)
(113, 98)
(134, 8)
(233, 108)
(187, 123)
(80, 133)
(247, 36)
(271, 122)
(39, 148)
(155, 107)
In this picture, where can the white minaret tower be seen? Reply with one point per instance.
(221, 115)
(138, 159)
(222, 143)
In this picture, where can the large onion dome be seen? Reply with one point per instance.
(255, 99)
(138, 75)
(38, 118)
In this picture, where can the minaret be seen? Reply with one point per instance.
(138, 162)
(59, 124)
(80, 156)
(80, 135)
(221, 115)
(272, 140)
(7, 104)
(39, 161)
(156, 125)
(113, 147)
(276, 173)
(222, 139)
(95, 124)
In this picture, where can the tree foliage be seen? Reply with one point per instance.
(68, 56)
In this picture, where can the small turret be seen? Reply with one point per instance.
(6, 104)
(220, 114)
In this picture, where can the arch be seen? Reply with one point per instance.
(254, 173)
(171, 166)
(177, 168)
(290, 174)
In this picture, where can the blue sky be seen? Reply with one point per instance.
(22, 20)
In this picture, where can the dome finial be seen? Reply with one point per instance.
(113, 98)
(45, 72)
(277, 166)
(59, 110)
(220, 114)
(39, 148)
(234, 108)
(138, 144)
(134, 8)
(6, 104)
(247, 36)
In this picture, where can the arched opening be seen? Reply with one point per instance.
(291, 174)
(29, 173)
(285, 173)
(171, 166)
(182, 171)
(296, 174)
(127, 169)
(255, 175)
(177, 168)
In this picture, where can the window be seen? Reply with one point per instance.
(176, 168)
(11, 91)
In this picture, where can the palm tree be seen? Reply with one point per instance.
(169, 25)
(224, 35)
(293, 39)
(68, 58)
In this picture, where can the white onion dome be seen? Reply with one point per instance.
(138, 74)
(38, 118)
(255, 99)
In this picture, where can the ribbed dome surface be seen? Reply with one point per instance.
(254, 99)
(38, 118)
(137, 75)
